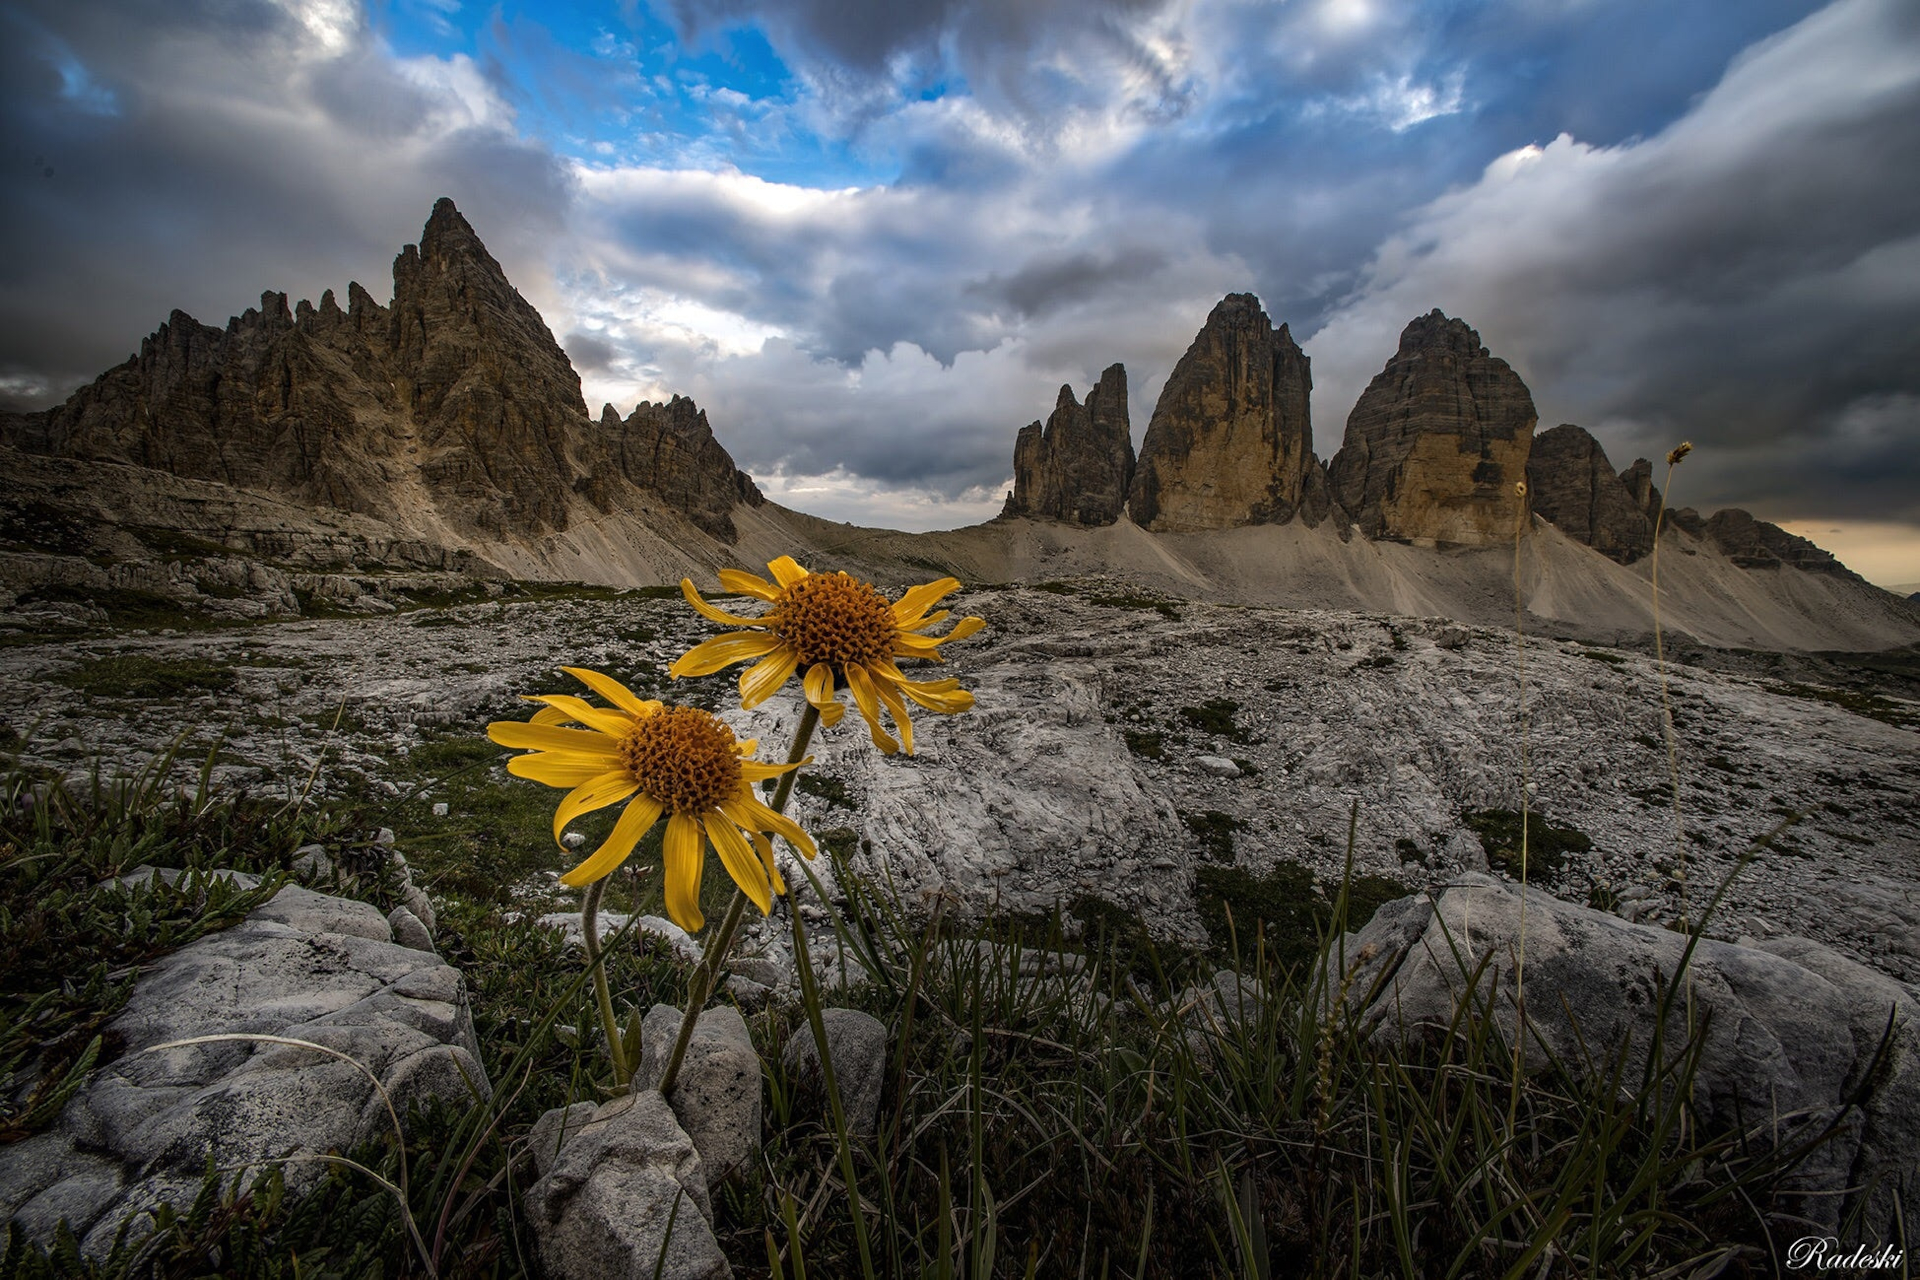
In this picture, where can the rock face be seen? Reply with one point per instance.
(1230, 442)
(1790, 1028)
(668, 449)
(1078, 468)
(306, 966)
(1756, 544)
(454, 404)
(1437, 441)
(1572, 484)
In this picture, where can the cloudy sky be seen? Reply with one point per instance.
(873, 237)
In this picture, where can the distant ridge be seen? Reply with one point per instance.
(245, 469)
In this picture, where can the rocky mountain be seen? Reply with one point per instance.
(1573, 485)
(450, 414)
(1437, 441)
(1079, 467)
(1230, 442)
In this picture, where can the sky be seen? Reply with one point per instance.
(873, 238)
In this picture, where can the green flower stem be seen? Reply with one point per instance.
(721, 939)
(590, 926)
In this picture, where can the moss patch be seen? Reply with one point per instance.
(129, 675)
(1281, 907)
(1547, 844)
(1215, 716)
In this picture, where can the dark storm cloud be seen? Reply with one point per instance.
(1748, 278)
(588, 353)
(228, 149)
(1044, 284)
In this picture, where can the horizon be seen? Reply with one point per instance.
(873, 249)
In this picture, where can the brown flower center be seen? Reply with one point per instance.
(835, 619)
(684, 758)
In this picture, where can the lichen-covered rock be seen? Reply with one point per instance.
(1230, 442)
(717, 1094)
(304, 966)
(1572, 484)
(1788, 1033)
(627, 1193)
(1078, 468)
(1437, 441)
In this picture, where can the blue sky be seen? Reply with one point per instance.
(872, 239)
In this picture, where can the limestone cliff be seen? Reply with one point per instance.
(452, 412)
(1078, 467)
(1230, 442)
(1572, 484)
(1437, 441)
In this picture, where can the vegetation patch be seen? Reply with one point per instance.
(1601, 655)
(37, 526)
(1871, 705)
(1547, 845)
(1215, 830)
(127, 607)
(1144, 743)
(1215, 716)
(1282, 909)
(134, 675)
(1164, 608)
(830, 789)
(177, 545)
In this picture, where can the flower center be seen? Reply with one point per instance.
(835, 619)
(684, 758)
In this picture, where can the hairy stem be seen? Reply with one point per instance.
(590, 927)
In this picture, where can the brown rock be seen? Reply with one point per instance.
(1230, 441)
(1756, 544)
(669, 448)
(1437, 441)
(1572, 484)
(1078, 468)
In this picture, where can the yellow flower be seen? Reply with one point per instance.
(834, 630)
(678, 761)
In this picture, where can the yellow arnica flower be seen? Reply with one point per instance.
(678, 761)
(833, 629)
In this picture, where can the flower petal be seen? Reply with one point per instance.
(758, 771)
(863, 697)
(747, 810)
(557, 771)
(722, 651)
(613, 691)
(714, 612)
(737, 856)
(615, 724)
(545, 737)
(819, 685)
(550, 715)
(596, 793)
(683, 852)
(764, 678)
(786, 571)
(885, 691)
(633, 823)
(921, 598)
(931, 620)
(742, 583)
(764, 847)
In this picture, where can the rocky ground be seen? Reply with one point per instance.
(1120, 743)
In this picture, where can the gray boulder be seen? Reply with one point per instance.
(857, 1047)
(625, 1194)
(304, 966)
(1788, 1031)
(717, 1096)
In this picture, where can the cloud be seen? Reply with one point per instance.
(236, 147)
(1748, 278)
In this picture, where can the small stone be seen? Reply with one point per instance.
(313, 859)
(717, 1095)
(573, 839)
(1218, 766)
(408, 930)
(440, 809)
(857, 1045)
